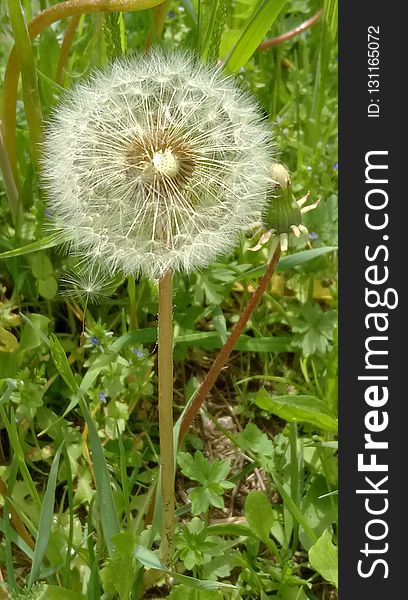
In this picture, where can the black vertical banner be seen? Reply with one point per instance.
(373, 369)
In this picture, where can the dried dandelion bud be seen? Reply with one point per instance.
(284, 214)
(156, 164)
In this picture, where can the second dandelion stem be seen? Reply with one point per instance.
(165, 368)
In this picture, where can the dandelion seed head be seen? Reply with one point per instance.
(157, 164)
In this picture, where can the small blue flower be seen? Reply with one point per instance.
(138, 352)
(47, 213)
(94, 340)
(102, 397)
(336, 166)
(313, 236)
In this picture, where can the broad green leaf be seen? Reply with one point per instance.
(298, 408)
(323, 556)
(41, 266)
(253, 34)
(318, 508)
(46, 519)
(259, 514)
(47, 287)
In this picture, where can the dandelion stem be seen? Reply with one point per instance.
(165, 367)
(226, 350)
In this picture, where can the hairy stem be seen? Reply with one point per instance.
(226, 350)
(165, 368)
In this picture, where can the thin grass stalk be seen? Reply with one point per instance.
(45, 18)
(226, 350)
(165, 370)
(10, 184)
(31, 96)
(65, 49)
(294, 478)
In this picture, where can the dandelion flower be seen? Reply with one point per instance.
(157, 164)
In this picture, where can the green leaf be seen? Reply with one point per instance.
(323, 557)
(298, 408)
(182, 592)
(41, 266)
(318, 508)
(219, 323)
(121, 562)
(299, 258)
(35, 332)
(61, 363)
(48, 242)
(46, 519)
(314, 329)
(149, 559)
(47, 287)
(200, 584)
(211, 477)
(259, 514)
(253, 34)
(108, 516)
(216, 21)
(53, 592)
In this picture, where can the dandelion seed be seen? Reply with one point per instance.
(88, 283)
(157, 164)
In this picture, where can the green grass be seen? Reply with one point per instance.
(79, 439)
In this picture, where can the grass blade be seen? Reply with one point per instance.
(46, 519)
(109, 519)
(253, 34)
(48, 242)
